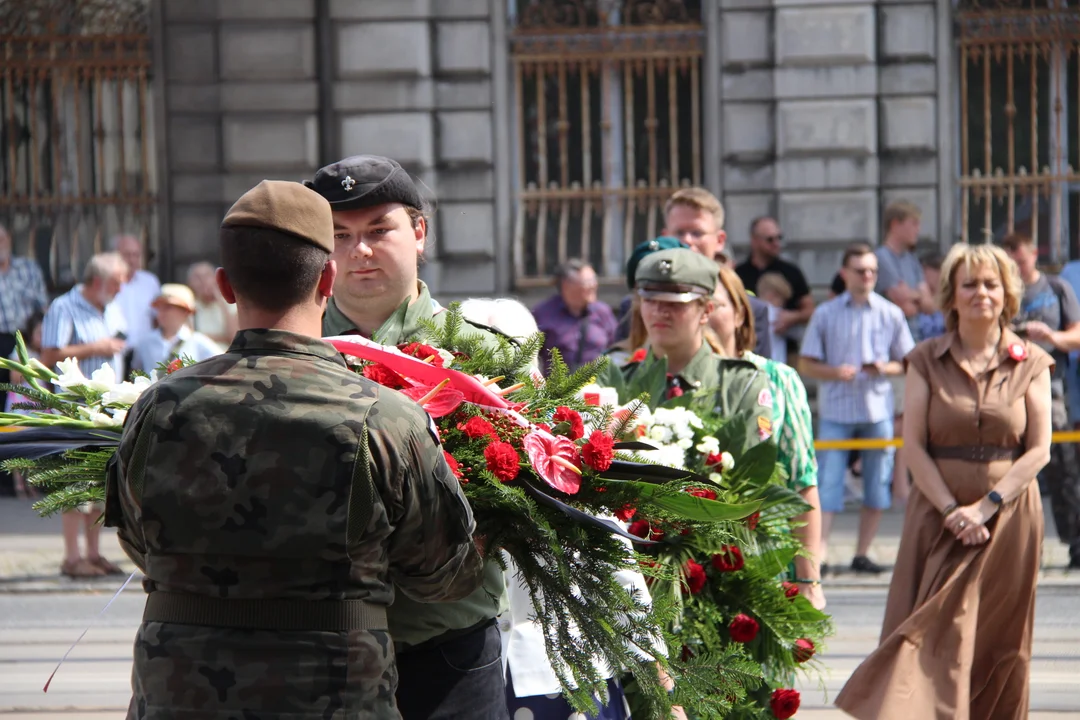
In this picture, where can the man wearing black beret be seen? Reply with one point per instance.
(448, 654)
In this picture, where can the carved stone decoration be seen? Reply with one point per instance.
(74, 17)
(581, 14)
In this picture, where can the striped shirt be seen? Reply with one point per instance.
(72, 320)
(842, 332)
(22, 292)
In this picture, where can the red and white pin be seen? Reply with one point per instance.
(1017, 351)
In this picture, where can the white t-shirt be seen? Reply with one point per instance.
(134, 300)
(154, 349)
(777, 343)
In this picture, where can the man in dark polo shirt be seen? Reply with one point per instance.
(765, 246)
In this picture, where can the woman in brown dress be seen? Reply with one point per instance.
(956, 641)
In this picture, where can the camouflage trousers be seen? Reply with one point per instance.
(188, 672)
(1062, 479)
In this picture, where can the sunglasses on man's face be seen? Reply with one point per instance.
(774, 239)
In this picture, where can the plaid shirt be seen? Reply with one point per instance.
(22, 293)
(842, 332)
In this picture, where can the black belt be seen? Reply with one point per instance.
(440, 640)
(248, 614)
(974, 453)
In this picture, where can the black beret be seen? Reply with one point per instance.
(363, 181)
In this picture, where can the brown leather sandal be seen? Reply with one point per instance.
(81, 568)
(106, 567)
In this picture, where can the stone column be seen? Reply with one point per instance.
(414, 82)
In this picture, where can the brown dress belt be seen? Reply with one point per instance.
(974, 453)
(250, 614)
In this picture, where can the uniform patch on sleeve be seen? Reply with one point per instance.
(764, 425)
(765, 398)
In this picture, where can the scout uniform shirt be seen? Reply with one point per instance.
(737, 386)
(412, 623)
(274, 482)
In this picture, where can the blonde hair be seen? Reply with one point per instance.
(698, 199)
(777, 283)
(745, 337)
(973, 256)
(899, 211)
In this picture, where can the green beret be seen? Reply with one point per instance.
(678, 275)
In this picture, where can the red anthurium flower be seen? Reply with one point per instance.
(555, 459)
(566, 415)
(437, 401)
(599, 451)
(803, 650)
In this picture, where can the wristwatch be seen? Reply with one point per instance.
(995, 497)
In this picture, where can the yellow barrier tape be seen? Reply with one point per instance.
(1064, 436)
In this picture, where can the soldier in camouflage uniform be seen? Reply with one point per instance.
(448, 654)
(278, 502)
(676, 287)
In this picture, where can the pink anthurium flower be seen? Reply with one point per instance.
(555, 459)
(438, 401)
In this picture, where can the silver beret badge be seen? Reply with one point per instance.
(664, 267)
(348, 183)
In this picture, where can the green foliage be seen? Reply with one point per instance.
(68, 481)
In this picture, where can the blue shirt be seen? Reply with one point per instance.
(842, 332)
(72, 320)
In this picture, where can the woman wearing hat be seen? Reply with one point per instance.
(675, 293)
(732, 326)
(173, 337)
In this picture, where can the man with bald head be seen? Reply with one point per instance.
(138, 293)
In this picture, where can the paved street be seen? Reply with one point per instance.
(42, 614)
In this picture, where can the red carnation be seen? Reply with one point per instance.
(599, 451)
(784, 703)
(714, 459)
(743, 628)
(791, 590)
(455, 467)
(752, 521)
(639, 355)
(693, 577)
(704, 493)
(803, 650)
(626, 512)
(174, 366)
(644, 529)
(502, 460)
(675, 392)
(377, 372)
(419, 350)
(566, 415)
(729, 559)
(478, 427)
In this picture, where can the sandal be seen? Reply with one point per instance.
(106, 567)
(81, 568)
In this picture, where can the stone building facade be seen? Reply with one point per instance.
(555, 128)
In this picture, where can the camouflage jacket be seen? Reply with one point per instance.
(412, 623)
(274, 472)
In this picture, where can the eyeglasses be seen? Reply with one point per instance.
(774, 239)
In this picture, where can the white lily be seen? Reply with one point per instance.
(99, 419)
(727, 461)
(119, 416)
(70, 374)
(126, 393)
(103, 379)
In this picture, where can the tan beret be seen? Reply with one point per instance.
(286, 206)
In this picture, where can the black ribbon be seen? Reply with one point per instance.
(583, 517)
(36, 443)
